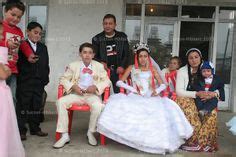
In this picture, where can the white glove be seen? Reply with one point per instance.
(125, 86)
(160, 88)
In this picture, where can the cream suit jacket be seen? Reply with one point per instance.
(72, 75)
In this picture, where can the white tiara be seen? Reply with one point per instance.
(140, 46)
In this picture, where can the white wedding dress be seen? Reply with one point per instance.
(150, 124)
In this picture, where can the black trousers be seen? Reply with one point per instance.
(114, 78)
(208, 105)
(44, 98)
(29, 105)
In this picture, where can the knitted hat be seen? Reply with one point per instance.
(207, 65)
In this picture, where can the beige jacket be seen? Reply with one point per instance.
(72, 75)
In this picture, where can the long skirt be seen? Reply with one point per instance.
(204, 137)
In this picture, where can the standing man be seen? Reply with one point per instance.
(112, 49)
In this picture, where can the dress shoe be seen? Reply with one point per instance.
(39, 133)
(91, 139)
(23, 137)
(61, 143)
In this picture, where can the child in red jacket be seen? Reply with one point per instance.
(13, 40)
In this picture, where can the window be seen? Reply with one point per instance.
(160, 41)
(198, 12)
(224, 51)
(133, 24)
(227, 13)
(161, 10)
(133, 9)
(132, 29)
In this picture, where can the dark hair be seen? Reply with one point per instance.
(140, 50)
(10, 4)
(199, 53)
(86, 45)
(107, 16)
(198, 73)
(178, 60)
(33, 25)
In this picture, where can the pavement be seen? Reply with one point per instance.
(78, 147)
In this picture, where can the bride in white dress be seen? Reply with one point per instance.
(143, 119)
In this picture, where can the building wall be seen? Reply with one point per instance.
(190, 2)
(70, 23)
(233, 77)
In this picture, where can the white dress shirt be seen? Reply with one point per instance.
(33, 45)
(85, 79)
(209, 79)
(208, 82)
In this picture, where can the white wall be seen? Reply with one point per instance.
(70, 23)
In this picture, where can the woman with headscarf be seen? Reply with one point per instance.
(205, 131)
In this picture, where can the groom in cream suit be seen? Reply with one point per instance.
(84, 81)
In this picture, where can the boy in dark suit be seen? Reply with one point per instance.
(209, 82)
(33, 77)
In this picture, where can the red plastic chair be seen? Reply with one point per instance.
(83, 108)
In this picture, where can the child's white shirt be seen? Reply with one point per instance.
(33, 45)
(209, 79)
(208, 82)
(85, 79)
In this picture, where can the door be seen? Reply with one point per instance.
(195, 35)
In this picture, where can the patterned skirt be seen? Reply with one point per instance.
(204, 137)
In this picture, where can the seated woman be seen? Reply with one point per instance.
(205, 131)
(142, 119)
